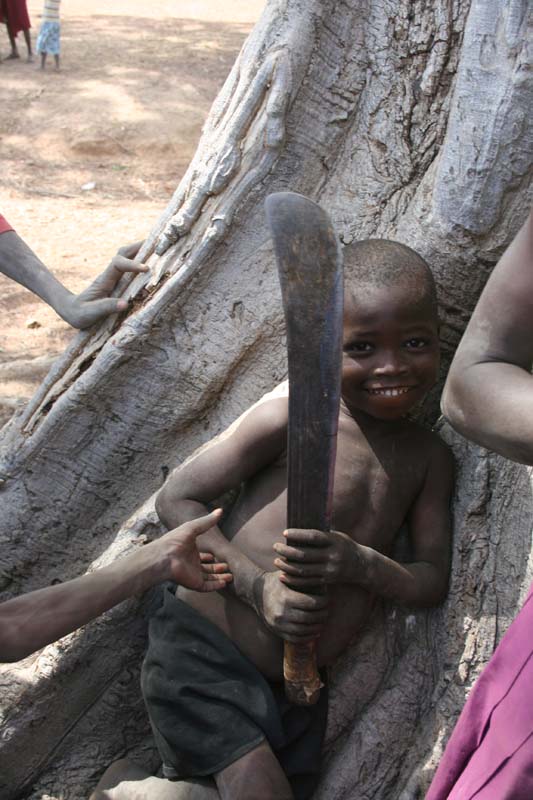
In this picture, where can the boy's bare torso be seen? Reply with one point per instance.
(379, 473)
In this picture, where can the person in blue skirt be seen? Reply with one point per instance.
(49, 39)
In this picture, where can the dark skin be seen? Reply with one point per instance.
(33, 620)
(388, 471)
(489, 391)
(91, 306)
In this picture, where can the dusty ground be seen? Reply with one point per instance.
(125, 113)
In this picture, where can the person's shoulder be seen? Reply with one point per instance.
(270, 411)
(269, 415)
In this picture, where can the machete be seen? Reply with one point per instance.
(310, 272)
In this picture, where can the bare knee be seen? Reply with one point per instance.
(255, 776)
(124, 780)
(120, 771)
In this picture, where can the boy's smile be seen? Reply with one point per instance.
(391, 350)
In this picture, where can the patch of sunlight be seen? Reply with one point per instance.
(205, 44)
(118, 103)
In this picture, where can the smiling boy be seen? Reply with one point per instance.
(212, 678)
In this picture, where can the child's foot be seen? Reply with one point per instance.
(29, 60)
(12, 55)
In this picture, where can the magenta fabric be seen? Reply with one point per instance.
(490, 753)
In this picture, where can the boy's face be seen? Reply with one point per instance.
(390, 351)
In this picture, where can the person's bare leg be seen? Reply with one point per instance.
(56, 61)
(27, 37)
(14, 50)
(124, 780)
(256, 776)
(43, 60)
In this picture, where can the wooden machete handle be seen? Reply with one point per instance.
(302, 681)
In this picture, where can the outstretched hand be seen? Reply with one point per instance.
(94, 303)
(186, 565)
(314, 558)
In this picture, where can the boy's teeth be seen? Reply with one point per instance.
(390, 392)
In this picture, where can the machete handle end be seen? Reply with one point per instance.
(302, 681)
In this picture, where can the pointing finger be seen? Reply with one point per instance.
(202, 524)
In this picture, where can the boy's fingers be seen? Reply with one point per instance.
(299, 633)
(311, 555)
(307, 536)
(299, 617)
(301, 570)
(293, 580)
(206, 557)
(307, 602)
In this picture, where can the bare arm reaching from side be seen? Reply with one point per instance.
(488, 395)
(336, 558)
(20, 263)
(32, 621)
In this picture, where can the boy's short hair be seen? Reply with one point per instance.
(382, 263)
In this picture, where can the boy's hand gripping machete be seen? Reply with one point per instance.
(310, 273)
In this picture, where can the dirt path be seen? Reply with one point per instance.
(124, 113)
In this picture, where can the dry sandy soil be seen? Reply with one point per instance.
(125, 112)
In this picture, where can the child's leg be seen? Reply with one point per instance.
(27, 38)
(56, 60)
(43, 60)
(124, 780)
(256, 776)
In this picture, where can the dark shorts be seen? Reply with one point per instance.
(209, 705)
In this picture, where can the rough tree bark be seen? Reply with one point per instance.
(406, 119)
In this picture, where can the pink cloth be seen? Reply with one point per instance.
(16, 11)
(490, 753)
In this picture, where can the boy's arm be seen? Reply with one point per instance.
(252, 443)
(255, 440)
(20, 263)
(488, 395)
(33, 620)
(336, 558)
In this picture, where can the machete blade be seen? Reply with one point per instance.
(310, 272)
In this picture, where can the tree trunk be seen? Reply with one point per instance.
(406, 120)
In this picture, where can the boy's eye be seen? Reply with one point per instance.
(359, 347)
(416, 343)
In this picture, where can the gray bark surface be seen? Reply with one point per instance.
(405, 120)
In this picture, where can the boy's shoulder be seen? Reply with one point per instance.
(266, 417)
(273, 405)
(438, 453)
